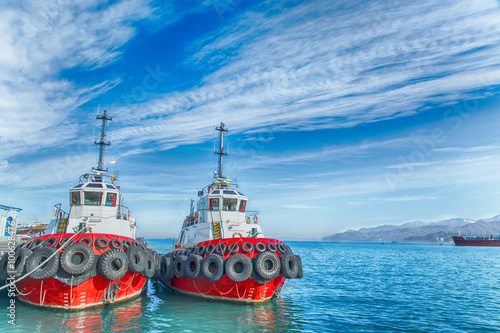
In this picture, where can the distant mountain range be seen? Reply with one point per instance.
(418, 231)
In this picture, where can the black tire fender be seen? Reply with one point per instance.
(210, 249)
(166, 269)
(63, 240)
(300, 273)
(51, 242)
(149, 267)
(77, 259)
(233, 248)
(116, 244)
(289, 265)
(201, 250)
(39, 256)
(271, 247)
(221, 249)
(260, 247)
(136, 259)
(239, 267)
(247, 247)
(85, 240)
(267, 265)
(212, 267)
(180, 267)
(20, 258)
(113, 265)
(101, 243)
(193, 266)
(281, 248)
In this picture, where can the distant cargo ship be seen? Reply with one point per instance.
(476, 241)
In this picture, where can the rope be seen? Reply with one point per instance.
(44, 294)
(194, 284)
(20, 293)
(220, 292)
(46, 260)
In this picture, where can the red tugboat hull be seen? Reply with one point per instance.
(225, 289)
(476, 241)
(63, 293)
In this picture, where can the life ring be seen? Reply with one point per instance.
(116, 244)
(136, 259)
(77, 259)
(180, 267)
(244, 267)
(271, 247)
(39, 256)
(260, 247)
(247, 247)
(101, 243)
(233, 248)
(196, 216)
(267, 265)
(113, 265)
(213, 261)
(210, 189)
(248, 220)
(193, 266)
(20, 258)
(255, 219)
(289, 265)
(149, 267)
(237, 234)
(221, 249)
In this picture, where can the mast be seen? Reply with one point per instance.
(102, 143)
(221, 151)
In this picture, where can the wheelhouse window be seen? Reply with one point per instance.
(229, 204)
(243, 206)
(214, 204)
(92, 198)
(75, 198)
(111, 199)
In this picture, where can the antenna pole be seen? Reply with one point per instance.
(221, 151)
(102, 143)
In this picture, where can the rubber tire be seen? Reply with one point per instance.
(289, 265)
(300, 273)
(233, 248)
(36, 243)
(260, 247)
(281, 248)
(221, 249)
(37, 257)
(20, 258)
(4, 266)
(166, 269)
(271, 247)
(69, 266)
(180, 267)
(136, 259)
(106, 267)
(247, 247)
(219, 267)
(201, 250)
(101, 243)
(231, 264)
(267, 265)
(193, 266)
(126, 244)
(149, 267)
(193, 250)
(85, 239)
(257, 278)
(65, 239)
(116, 244)
(210, 249)
(50, 242)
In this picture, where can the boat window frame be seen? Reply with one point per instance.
(99, 203)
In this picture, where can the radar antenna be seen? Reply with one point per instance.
(221, 151)
(102, 143)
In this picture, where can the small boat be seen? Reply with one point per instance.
(88, 257)
(476, 241)
(222, 254)
(31, 229)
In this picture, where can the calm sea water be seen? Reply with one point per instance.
(348, 287)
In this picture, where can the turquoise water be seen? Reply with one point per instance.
(348, 287)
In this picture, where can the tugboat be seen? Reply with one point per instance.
(87, 257)
(221, 253)
(476, 241)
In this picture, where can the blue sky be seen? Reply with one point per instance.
(342, 114)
